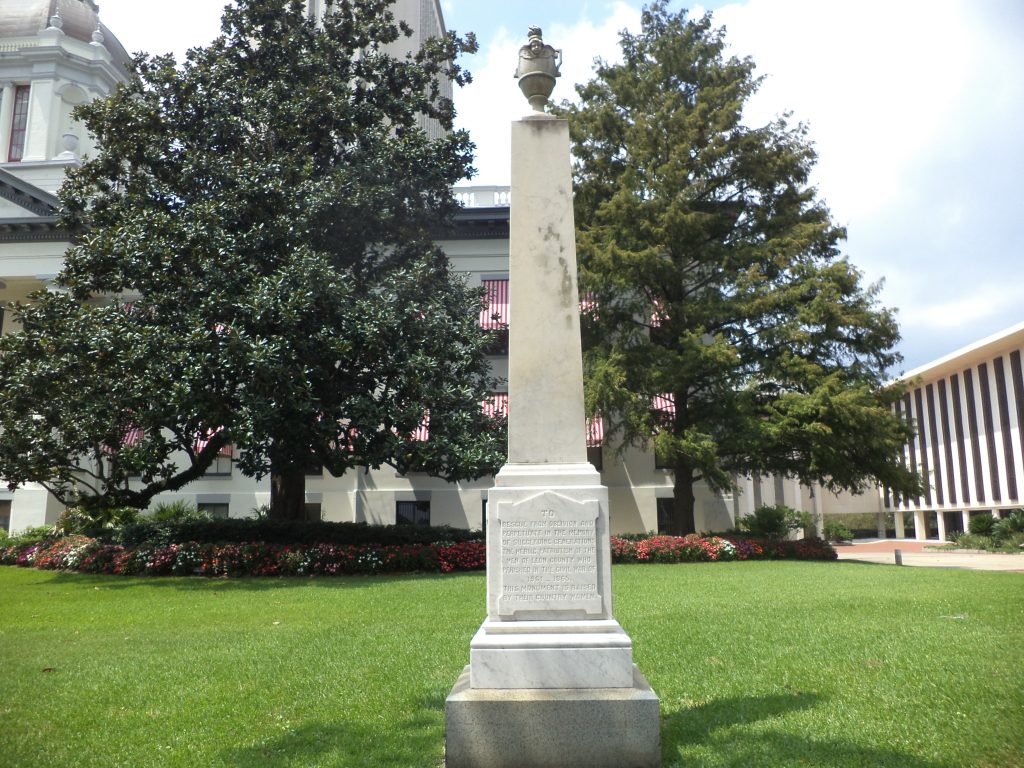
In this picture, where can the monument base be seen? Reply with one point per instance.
(552, 727)
(551, 654)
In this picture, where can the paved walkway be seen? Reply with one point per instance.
(914, 553)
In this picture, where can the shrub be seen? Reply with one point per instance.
(177, 512)
(1004, 529)
(90, 520)
(775, 522)
(837, 531)
(31, 536)
(981, 524)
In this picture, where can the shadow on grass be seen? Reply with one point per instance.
(414, 741)
(707, 735)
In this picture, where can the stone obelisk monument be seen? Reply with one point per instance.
(551, 679)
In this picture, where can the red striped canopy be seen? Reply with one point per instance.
(665, 404)
(595, 432)
(204, 439)
(422, 432)
(496, 405)
(494, 315)
(133, 436)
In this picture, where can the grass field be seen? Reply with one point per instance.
(756, 664)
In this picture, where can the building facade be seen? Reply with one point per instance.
(968, 408)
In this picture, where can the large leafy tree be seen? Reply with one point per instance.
(254, 266)
(727, 329)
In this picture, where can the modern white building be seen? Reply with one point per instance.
(969, 410)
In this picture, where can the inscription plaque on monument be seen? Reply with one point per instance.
(548, 555)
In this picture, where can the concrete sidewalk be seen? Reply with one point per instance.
(914, 553)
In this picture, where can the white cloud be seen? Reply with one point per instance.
(184, 24)
(877, 80)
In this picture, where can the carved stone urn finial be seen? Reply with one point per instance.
(538, 67)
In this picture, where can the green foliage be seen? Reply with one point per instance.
(987, 533)
(775, 521)
(981, 524)
(177, 512)
(260, 216)
(88, 519)
(31, 536)
(837, 531)
(719, 279)
(1006, 527)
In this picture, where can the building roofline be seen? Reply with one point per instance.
(26, 195)
(976, 349)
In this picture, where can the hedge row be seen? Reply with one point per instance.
(90, 555)
(285, 532)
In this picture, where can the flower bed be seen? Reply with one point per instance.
(81, 553)
(705, 549)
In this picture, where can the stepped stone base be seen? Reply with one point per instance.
(552, 727)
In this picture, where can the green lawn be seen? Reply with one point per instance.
(756, 664)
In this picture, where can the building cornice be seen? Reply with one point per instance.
(37, 229)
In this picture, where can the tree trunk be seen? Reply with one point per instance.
(681, 521)
(288, 495)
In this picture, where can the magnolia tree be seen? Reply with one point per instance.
(254, 266)
(725, 328)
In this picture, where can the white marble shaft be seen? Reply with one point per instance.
(545, 381)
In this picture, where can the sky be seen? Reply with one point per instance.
(915, 107)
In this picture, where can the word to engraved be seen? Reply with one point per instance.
(548, 563)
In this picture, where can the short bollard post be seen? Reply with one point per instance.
(899, 556)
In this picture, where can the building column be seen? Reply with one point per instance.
(40, 128)
(816, 509)
(6, 116)
(898, 520)
(940, 521)
(965, 515)
(920, 525)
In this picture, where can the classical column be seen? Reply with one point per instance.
(6, 116)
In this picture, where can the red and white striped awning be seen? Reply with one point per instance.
(595, 432)
(204, 439)
(494, 315)
(133, 436)
(496, 405)
(665, 404)
(422, 432)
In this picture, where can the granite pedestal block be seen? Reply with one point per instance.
(552, 727)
